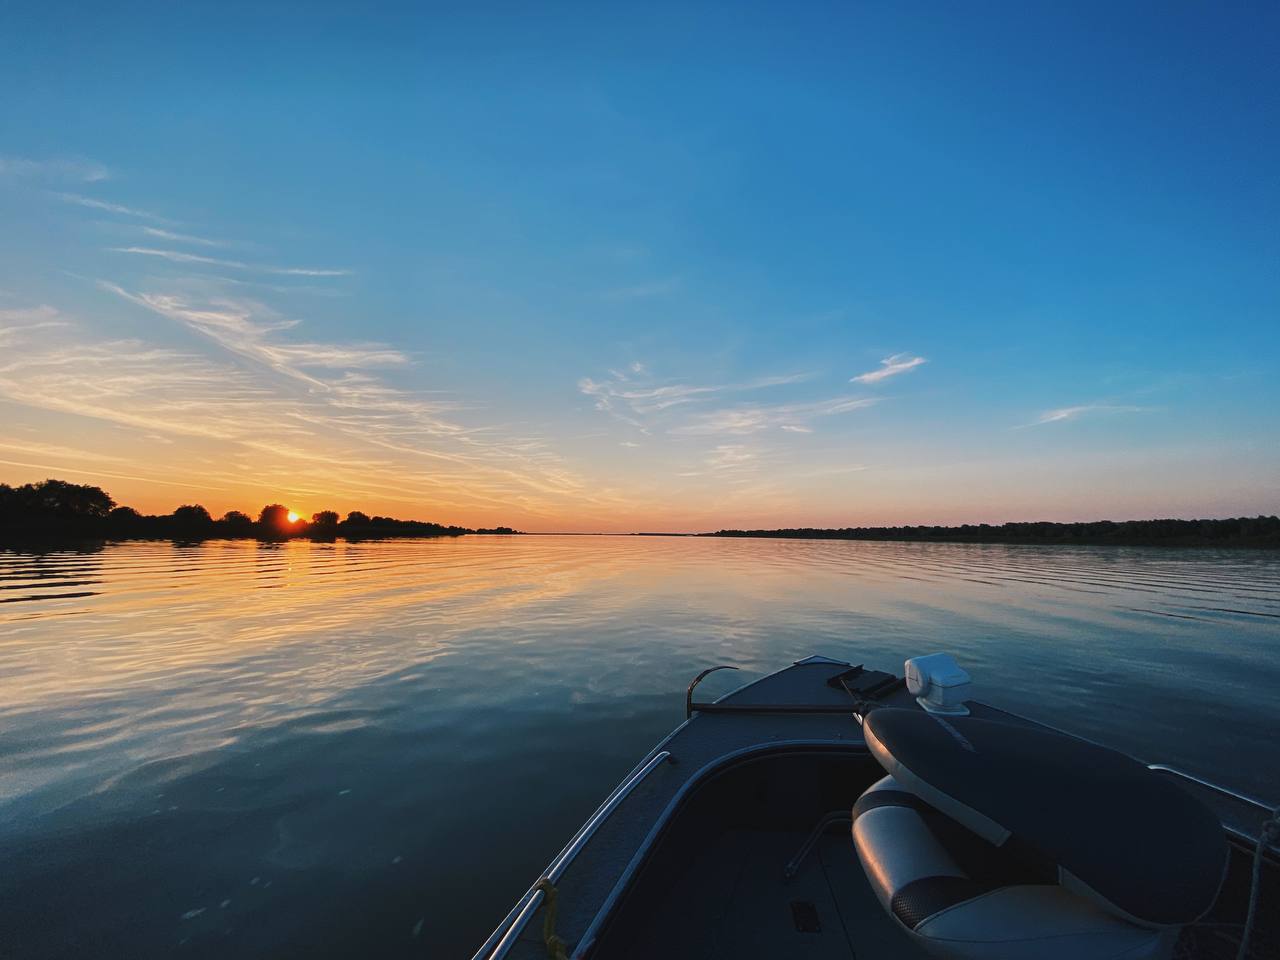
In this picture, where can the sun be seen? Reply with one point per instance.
(293, 517)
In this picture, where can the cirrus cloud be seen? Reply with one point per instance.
(889, 367)
(1063, 414)
(57, 168)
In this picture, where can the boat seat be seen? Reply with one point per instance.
(999, 840)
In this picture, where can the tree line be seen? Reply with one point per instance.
(57, 509)
(1260, 531)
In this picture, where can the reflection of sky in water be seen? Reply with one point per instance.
(304, 714)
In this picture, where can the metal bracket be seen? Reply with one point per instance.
(825, 824)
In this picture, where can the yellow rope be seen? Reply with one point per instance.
(557, 949)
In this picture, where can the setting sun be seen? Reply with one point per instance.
(293, 517)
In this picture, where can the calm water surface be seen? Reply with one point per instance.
(372, 749)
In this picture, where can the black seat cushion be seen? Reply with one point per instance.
(1135, 841)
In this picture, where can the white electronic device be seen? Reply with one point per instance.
(938, 684)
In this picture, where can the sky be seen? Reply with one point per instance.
(645, 267)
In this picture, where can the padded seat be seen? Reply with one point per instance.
(955, 911)
(999, 839)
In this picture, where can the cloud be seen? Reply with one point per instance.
(42, 314)
(730, 456)
(889, 367)
(754, 418)
(641, 400)
(18, 323)
(632, 401)
(1089, 409)
(247, 328)
(103, 205)
(97, 474)
(181, 237)
(35, 448)
(59, 168)
(178, 256)
(286, 420)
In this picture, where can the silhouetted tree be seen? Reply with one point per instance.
(56, 498)
(274, 516)
(192, 515)
(58, 510)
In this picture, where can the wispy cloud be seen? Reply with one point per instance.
(288, 420)
(57, 168)
(889, 367)
(97, 473)
(181, 237)
(17, 325)
(754, 418)
(631, 400)
(1084, 410)
(39, 449)
(730, 456)
(249, 329)
(108, 207)
(179, 256)
(686, 412)
(642, 400)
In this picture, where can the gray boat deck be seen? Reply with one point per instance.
(706, 740)
(737, 881)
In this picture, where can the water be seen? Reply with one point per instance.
(372, 749)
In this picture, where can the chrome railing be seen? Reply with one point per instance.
(1210, 785)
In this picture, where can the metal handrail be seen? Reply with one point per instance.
(688, 694)
(1208, 784)
(1166, 768)
(510, 929)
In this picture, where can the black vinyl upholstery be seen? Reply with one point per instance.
(920, 899)
(1116, 832)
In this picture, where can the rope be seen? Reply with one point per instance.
(557, 949)
(1268, 835)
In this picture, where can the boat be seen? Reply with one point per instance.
(829, 810)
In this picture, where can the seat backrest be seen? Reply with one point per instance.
(1135, 843)
(925, 881)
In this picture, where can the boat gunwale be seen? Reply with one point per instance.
(500, 940)
(509, 930)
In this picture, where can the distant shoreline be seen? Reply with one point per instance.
(1262, 532)
(54, 512)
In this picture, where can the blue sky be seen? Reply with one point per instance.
(597, 267)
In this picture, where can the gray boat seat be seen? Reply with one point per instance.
(1001, 839)
(951, 913)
